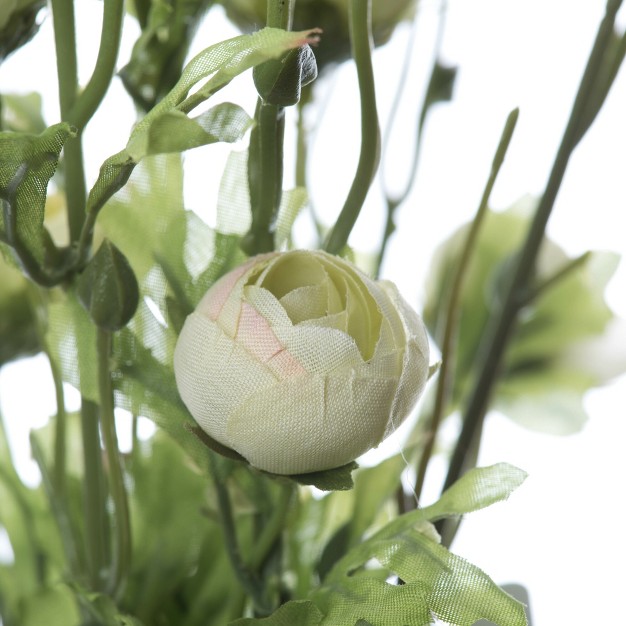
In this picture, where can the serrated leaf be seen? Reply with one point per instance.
(476, 489)
(436, 581)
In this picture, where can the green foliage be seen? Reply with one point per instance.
(213, 540)
(158, 55)
(436, 583)
(27, 163)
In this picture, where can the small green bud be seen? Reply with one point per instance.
(108, 289)
(280, 81)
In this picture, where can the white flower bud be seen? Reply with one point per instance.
(300, 362)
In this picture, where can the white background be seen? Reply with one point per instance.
(559, 534)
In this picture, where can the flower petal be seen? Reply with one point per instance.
(311, 423)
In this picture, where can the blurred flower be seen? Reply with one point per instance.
(300, 362)
(556, 353)
(329, 15)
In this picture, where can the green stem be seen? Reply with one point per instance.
(250, 582)
(393, 202)
(265, 176)
(273, 528)
(122, 554)
(538, 290)
(90, 98)
(361, 39)
(65, 46)
(280, 13)
(58, 504)
(453, 310)
(265, 161)
(67, 72)
(96, 520)
(302, 153)
(500, 328)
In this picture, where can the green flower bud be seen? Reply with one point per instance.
(108, 289)
(280, 81)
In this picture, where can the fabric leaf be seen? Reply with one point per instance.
(173, 131)
(27, 163)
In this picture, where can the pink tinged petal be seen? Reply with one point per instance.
(213, 302)
(257, 337)
(217, 296)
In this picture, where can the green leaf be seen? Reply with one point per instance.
(19, 333)
(476, 489)
(173, 131)
(436, 582)
(18, 24)
(375, 601)
(300, 612)
(159, 53)
(222, 62)
(22, 113)
(27, 163)
(71, 336)
(54, 606)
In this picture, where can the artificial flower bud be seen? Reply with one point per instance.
(108, 289)
(300, 362)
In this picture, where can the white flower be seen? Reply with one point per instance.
(300, 362)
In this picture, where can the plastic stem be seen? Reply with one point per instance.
(361, 39)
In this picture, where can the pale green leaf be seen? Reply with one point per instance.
(173, 131)
(27, 163)
(300, 612)
(222, 62)
(54, 606)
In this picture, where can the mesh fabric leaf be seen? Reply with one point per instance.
(173, 131)
(222, 62)
(71, 337)
(449, 587)
(300, 612)
(27, 163)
